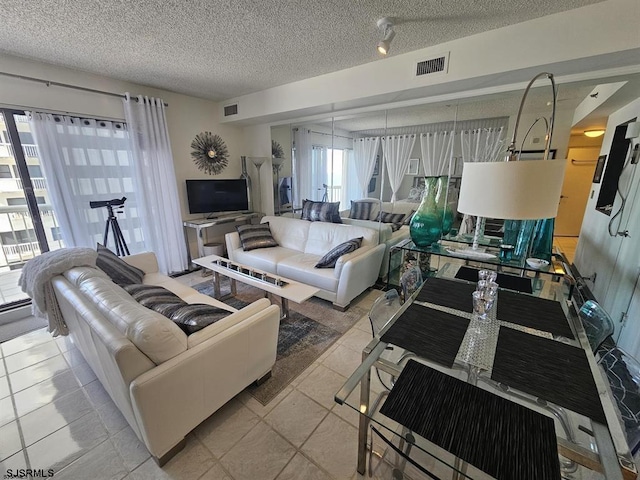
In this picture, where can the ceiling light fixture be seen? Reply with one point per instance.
(594, 133)
(386, 26)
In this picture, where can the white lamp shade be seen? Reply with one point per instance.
(516, 190)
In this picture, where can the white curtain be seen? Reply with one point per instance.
(350, 183)
(319, 180)
(437, 150)
(397, 150)
(480, 145)
(156, 182)
(365, 151)
(87, 160)
(302, 162)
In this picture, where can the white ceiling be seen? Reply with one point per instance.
(219, 49)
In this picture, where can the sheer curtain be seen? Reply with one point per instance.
(350, 187)
(155, 180)
(319, 174)
(302, 161)
(365, 151)
(84, 160)
(437, 149)
(397, 150)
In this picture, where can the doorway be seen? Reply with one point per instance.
(28, 225)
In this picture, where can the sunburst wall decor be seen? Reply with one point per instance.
(209, 153)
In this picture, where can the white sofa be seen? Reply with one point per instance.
(164, 382)
(386, 234)
(302, 244)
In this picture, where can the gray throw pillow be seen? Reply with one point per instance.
(119, 271)
(256, 236)
(361, 210)
(386, 217)
(332, 256)
(196, 316)
(321, 211)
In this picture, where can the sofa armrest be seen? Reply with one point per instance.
(147, 261)
(359, 273)
(348, 257)
(232, 239)
(206, 333)
(172, 399)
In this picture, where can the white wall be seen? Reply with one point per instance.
(615, 260)
(186, 116)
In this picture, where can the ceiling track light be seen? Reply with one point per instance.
(385, 24)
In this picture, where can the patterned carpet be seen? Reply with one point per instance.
(312, 327)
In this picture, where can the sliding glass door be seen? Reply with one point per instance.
(28, 225)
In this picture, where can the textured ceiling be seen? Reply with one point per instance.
(219, 49)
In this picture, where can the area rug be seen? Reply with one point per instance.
(312, 327)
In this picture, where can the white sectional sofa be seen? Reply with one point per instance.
(302, 244)
(386, 234)
(164, 382)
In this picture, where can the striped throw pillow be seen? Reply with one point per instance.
(361, 210)
(119, 271)
(331, 257)
(196, 316)
(321, 211)
(386, 217)
(256, 236)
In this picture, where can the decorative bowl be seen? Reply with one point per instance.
(537, 263)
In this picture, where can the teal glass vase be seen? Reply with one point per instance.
(426, 225)
(445, 204)
(518, 233)
(542, 242)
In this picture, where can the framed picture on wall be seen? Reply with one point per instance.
(536, 154)
(597, 175)
(376, 169)
(414, 164)
(418, 182)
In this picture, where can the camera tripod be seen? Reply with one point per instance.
(112, 220)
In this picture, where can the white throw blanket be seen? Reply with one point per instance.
(36, 277)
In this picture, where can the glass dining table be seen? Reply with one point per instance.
(445, 394)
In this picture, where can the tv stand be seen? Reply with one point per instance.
(202, 223)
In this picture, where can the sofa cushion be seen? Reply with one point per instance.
(265, 259)
(196, 316)
(288, 232)
(171, 284)
(257, 236)
(321, 211)
(77, 275)
(361, 210)
(331, 257)
(118, 270)
(156, 336)
(301, 268)
(387, 217)
(324, 236)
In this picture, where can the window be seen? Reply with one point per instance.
(55, 234)
(333, 175)
(34, 171)
(23, 201)
(5, 171)
(18, 236)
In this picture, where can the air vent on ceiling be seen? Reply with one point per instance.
(433, 65)
(231, 110)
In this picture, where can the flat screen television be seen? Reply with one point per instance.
(215, 196)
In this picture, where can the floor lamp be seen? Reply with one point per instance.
(258, 161)
(514, 189)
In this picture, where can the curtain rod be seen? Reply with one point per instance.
(49, 83)
(322, 133)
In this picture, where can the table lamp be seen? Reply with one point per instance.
(514, 189)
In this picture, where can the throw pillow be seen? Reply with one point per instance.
(256, 236)
(152, 296)
(361, 210)
(407, 219)
(119, 271)
(386, 217)
(321, 211)
(196, 316)
(395, 227)
(332, 256)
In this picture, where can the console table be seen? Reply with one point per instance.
(201, 224)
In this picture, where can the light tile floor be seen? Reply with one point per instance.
(55, 414)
